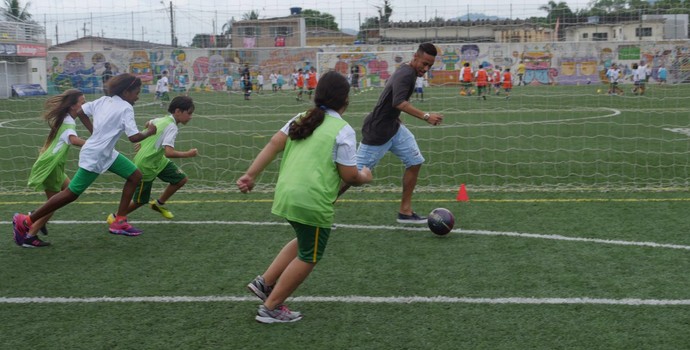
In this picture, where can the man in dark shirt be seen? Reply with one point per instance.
(107, 74)
(354, 76)
(383, 130)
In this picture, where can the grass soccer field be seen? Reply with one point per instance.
(574, 237)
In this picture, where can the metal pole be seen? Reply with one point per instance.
(173, 42)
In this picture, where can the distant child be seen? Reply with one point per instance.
(614, 75)
(182, 81)
(312, 80)
(299, 84)
(48, 172)
(153, 161)
(162, 88)
(465, 79)
(260, 83)
(318, 151)
(638, 80)
(281, 81)
(274, 81)
(507, 82)
(482, 78)
(112, 115)
(229, 80)
(419, 88)
(662, 75)
(496, 80)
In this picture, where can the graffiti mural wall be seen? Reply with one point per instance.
(207, 70)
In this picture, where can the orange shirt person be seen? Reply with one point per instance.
(311, 81)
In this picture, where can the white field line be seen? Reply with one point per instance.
(352, 299)
(403, 228)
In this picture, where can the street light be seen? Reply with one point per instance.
(171, 15)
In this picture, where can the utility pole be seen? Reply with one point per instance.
(173, 42)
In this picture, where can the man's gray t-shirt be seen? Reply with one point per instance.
(383, 122)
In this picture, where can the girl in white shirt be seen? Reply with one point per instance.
(112, 115)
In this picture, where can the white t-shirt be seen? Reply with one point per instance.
(110, 117)
(419, 83)
(260, 79)
(162, 84)
(345, 148)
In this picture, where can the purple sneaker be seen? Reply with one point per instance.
(124, 228)
(19, 228)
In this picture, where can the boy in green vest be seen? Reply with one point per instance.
(153, 161)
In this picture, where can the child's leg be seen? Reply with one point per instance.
(170, 190)
(295, 273)
(127, 192)
(55, 202)
(281, 262)
(38, 224)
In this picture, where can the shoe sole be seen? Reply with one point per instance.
(269, 320)
(124, 233)
(18, 236)
(400, 221)
(252, 288)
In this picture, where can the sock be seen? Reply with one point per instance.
(119, 218)
(27, 221)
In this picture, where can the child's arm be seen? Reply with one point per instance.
(85, 120)
(170, 152)
(353, 177)
(277, 144)
(150, 130)
(76, 141)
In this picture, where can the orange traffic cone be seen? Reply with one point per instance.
(462, 194)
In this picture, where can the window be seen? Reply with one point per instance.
(600, 36)
(280, 31)
(585, 35)
(640, 32)
(248, 31)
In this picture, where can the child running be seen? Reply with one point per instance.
(152, 159)
(318, 151)
(48, 172)
(112, 115)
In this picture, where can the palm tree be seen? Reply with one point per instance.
(227, 27)
(254, 14)
(14, 10)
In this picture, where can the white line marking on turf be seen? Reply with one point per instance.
(407, 228)
(354, 299)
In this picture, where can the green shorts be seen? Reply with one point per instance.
(122, 167)
(311, 241)
(170, 174)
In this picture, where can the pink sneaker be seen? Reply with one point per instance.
(19, 228)
(124, 228)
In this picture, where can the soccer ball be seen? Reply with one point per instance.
(472, 91)
(440, 221)
(598, 91)
(463, 93)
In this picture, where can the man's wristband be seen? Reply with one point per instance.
(426, 116)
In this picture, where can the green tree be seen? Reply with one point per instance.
(227, 27)
(14, 10)
(385, 12)
(313, 18)
(252, 15)
(557, 10)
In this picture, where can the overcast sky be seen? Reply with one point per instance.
(149, 19)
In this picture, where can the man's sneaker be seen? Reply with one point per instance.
(34, 242)
(161, 209)
(43, 229)
(281, 314)
(110, 219)
(258, 286)
(411, 219)
(19, 228)
(122, 227)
